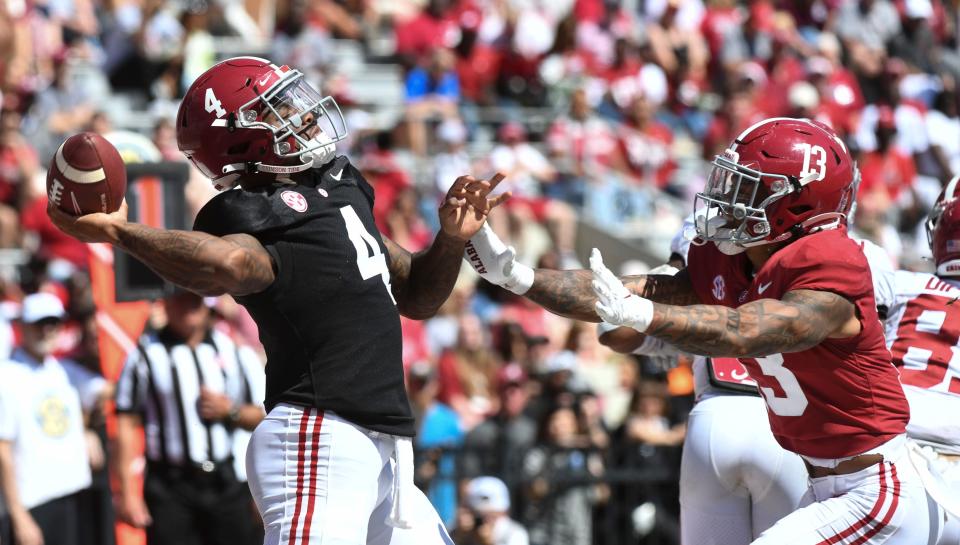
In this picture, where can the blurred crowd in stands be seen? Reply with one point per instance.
(599, 112)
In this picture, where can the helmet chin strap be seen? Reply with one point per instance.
(284, 169)
(836, 216)
(315, 157)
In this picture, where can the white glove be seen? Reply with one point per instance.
(615, 304)
(496, 262)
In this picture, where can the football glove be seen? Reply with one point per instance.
(615, 303)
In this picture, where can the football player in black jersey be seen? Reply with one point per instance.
(292, 238)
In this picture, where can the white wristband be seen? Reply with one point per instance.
(520, 278)
(496, 262)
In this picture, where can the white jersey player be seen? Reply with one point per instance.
(735, 479)
(922, 328)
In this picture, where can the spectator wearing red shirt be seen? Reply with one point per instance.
(676, 47)
(53, 243)
(738, 114)
(784, 68)
(416, 347)
(720, 18)
(527, 172)
(432, 28)
(18, 167)
(477, 63)
(379, 165)
(805, 103)
(565, 65)
(886, 171)
(467, 374)
(629, 75)
(840, 94)
(645, 145)
(582, 146)
(405, 225)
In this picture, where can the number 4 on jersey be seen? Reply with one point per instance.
(370, 260)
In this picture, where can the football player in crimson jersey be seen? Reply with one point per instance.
(735, 479)
(296, 244)
(775, 281)
(923, 334)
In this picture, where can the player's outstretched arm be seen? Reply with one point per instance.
(422, 282)
(800, 320)
(567, 293)
(200, 262)
(570, 294)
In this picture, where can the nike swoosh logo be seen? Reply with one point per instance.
(263, 80)
(337, 175)
(763, 287)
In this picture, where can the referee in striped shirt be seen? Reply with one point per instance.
(197, 395)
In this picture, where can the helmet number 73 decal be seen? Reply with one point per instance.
(821, 162)
(211, 104)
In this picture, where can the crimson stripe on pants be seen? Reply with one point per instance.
(301, 452)
(893, 508)
(314, 469)
(867, 519)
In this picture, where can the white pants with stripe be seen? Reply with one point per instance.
(318, 479)
(950, 470)
(735, 479)
(884, 503)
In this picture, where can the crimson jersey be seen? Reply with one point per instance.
(923, 335)
(839, 398)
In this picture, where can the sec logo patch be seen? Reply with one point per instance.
(294, 200)
(719, 288)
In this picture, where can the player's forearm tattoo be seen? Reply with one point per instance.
(570, 294)
(423, 281)
(198, 261)
(802, 319)
(567, 293)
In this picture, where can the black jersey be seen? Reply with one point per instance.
(329, 323)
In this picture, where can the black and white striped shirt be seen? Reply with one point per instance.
(161, 382)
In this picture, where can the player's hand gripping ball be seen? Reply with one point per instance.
(86, 175)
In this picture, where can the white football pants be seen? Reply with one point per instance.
(318, 479)
(884, 503)
(735, 479)
(950, 470)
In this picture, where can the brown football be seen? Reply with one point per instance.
(86, 175)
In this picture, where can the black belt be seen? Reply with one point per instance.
(193, 470)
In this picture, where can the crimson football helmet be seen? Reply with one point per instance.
(943, 230)
(779, 179)
(246, 115)
(949, 194)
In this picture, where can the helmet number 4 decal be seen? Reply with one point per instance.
(211, 104)
(820, 161)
